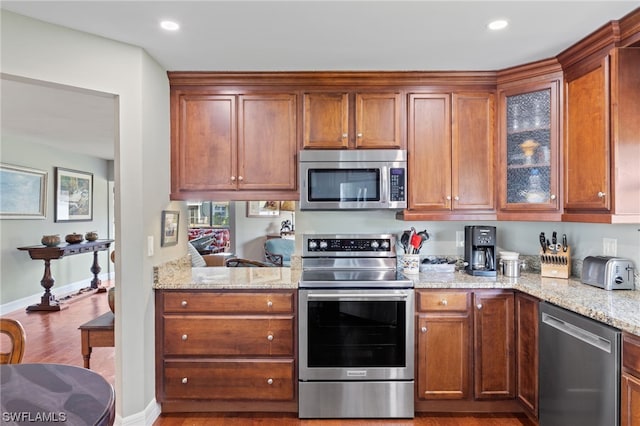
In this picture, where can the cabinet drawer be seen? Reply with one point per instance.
(228, 335)
(631, 353)
(441, 301)
(270, 380)
(227, 302)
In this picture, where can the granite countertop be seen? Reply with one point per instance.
(619, 308)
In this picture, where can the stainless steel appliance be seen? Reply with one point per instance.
(356, 329)
(609, 273)
(353, 179)
(480, 250)
(579, 370)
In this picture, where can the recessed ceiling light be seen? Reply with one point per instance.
(170, 25)
(498, 24)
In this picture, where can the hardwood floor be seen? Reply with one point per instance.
(54, 337)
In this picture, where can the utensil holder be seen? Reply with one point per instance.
(556, 265)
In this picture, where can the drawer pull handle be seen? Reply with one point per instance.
(184, 380)
(184, 303)
(601, 194)
(423, 329)
(479, 305)
(444, 302)
(184, 337)
(270, 337)
(269, 303)
(269, 381)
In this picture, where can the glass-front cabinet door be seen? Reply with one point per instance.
(529, 149)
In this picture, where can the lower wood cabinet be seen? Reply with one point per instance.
(630, 383)
(526, 324)
(226, 351)
(465, 350)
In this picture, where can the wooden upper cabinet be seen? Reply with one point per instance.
(223, 144)
(601, 146)
(378, 120)
(326, 120)
(473, 147)
(429, 146)
(451, 152)
(374, 121)
(204, 142)
(267, 149)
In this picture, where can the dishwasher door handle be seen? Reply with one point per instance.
(577, 332)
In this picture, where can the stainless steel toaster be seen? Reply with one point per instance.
(607, 272)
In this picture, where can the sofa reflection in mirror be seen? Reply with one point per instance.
(278, 251)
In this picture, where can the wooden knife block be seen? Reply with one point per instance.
(556, 265)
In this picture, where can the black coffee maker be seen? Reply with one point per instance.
(480, 250)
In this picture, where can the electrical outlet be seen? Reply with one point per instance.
(609, 247)
(459, 239)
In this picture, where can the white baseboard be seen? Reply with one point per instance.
(58, 291)
(146, 417)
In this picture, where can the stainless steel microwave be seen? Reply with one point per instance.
(353, 179)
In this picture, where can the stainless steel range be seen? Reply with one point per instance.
(356, 329)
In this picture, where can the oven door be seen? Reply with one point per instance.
(356, 334)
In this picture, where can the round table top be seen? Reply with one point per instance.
(55, 394)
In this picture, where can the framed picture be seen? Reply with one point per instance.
(263, 208)
(170, 222)
(74, 195)
(23, 193)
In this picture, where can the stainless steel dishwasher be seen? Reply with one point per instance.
(579, 370)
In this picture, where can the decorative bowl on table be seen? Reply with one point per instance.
(91, 236)
(50, 240)
(74, 238)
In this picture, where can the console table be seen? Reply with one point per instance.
(48, 301)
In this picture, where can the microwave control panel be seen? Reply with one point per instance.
(397, 184)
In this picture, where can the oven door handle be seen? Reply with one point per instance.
(357, 296)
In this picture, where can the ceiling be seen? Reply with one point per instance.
(295, 35)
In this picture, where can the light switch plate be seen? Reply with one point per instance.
(150, 245)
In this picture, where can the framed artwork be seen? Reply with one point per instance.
(74, 195)
(23, 193)
(170, 222)
(263, 208)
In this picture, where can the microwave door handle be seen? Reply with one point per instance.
(384, 179)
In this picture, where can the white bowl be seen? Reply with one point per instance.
(509, 255)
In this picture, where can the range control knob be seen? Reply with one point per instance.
(313, 244)
(385, 244)
(323, 245)
(374, 244)
(618, 280)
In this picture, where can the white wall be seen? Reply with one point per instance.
(37, 50)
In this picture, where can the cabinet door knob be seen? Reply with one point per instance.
(553, 196)
(184, 380)
(601, 194)
(423, 330)
(269, 381)
(240, 178)
(270, 337)
(444, 302)
(359, 135)
(185, 337)
(345, 135)
(456, 198)
(479, 305)
(233, 178)
(269, 303)
(448, 197)
(184, 303)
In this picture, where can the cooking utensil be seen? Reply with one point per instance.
(564, 242)
(554, 238)
(404, 240)
(416, 243)
(424, 236)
